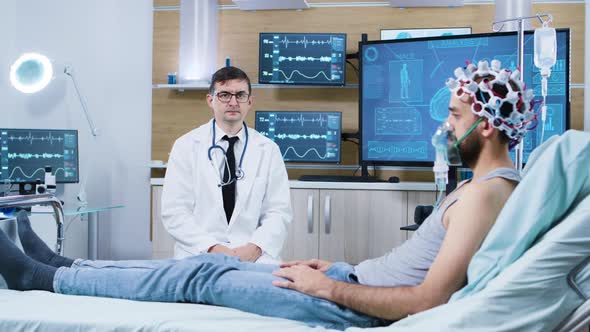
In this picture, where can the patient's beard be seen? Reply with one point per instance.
(470, 149)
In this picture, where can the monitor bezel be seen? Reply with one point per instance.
(301, 33)
(77, 180)
(432, 29)
(369, 162)
(302, 161)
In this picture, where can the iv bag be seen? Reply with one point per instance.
(545, 47)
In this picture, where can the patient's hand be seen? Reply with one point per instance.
(221, 249)
(316, 264)
(306, 280)
(248, 253)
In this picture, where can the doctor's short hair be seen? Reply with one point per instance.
(226, 74)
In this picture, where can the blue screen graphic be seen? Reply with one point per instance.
(303, 136)
(24, 153)
(404, 97)
(302, 58)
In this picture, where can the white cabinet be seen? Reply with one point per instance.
(345, 225)
(359, 224)
(302, 234)
(162, 242)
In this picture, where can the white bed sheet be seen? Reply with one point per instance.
(41, 311)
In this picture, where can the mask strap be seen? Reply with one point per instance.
(472, 128)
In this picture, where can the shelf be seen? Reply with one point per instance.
(270, 4)
(182, 87)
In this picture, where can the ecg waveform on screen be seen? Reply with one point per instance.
(31, 139)
(290, 76)
(302, 58)
(321, 120)
(34, 156)
(303, 136)
(305, 58)
(304, 41)
(41, 170)
(25, 153)
(301, 156)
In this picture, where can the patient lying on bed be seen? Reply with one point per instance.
(420, 274)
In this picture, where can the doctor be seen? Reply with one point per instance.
(226, 188)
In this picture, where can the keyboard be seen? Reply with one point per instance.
(338, 178)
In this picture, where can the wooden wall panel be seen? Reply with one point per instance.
(163, 3)
(166, 45)
(175, 114)
(577, 109)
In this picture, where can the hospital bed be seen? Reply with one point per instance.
(546, 288)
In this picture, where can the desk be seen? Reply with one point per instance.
(92, 211)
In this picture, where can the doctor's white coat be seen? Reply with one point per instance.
(192, 202)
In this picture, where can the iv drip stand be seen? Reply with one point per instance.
(521, 20)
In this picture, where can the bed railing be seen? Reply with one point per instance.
(571, 279)
(45, 199)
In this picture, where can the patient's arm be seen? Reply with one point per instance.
(469, 221)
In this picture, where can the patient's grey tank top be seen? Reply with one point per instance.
(408, 264)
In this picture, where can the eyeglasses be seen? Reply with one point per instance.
(225, 97)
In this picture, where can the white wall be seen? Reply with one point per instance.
(109, 45)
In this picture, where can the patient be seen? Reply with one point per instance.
(420, 274)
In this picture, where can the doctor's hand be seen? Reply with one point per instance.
(248, 253)
(221, 249)
(316, 264)
(306, 280)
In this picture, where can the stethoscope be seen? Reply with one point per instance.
(239, 171)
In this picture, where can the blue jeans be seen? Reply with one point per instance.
(210, 279)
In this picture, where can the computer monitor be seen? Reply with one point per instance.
(403, 96)
(303, 136)
(387, 34)
(302, 58)
(24, 154)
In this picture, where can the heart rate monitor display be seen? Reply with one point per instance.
(302, 58)
(303, 136)
(24, 154)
